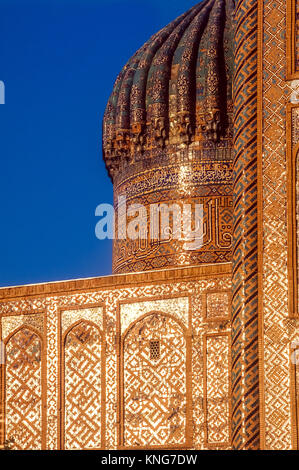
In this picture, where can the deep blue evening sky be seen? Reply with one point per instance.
(59, 59)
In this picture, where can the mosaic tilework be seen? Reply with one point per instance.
(82, 387)
(178, 307)
(111, 368)
(23, 384)
(297, 216)
(278, 329)
(69, 317)
(171, 93)
(217, 390)
(296, 38)
(52, 372)
(278, 433)
(295, 125)
(292, 38)
(245, 374)
(9, 324)
(155, 390)
(199, 422)
(53, 305)
(167, 136)
(293, 204)
(217, 305)
(296, 357)
(180, 181)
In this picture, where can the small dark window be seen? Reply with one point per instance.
(155, 350)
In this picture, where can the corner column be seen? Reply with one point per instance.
(245, 354)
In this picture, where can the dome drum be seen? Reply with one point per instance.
(167, 134)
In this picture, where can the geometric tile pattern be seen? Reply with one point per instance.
(176, 89)
(218, 418)
(276, 92)
(279, 330)
(52, 373)
(245, 373)
(207, 183)
(69, 317)
(167, 139)
(296, 35)
(296, 353)
(111, 363)
(179, 307)
(295, 125)
(194, 287)
(14, 322)
(82, 387)
(23, 403)
(155, 388)
(292, 37)
(297, 214)
(218, 305)
(198, 360)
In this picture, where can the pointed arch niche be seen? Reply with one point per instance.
(24, 389)
(82, 386)
(155, 383)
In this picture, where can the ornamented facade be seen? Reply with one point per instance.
(179, 349)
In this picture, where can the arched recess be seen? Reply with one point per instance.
(24, 390)
(155, 381)
(82, 387)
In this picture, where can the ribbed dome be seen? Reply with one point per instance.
(176, 89)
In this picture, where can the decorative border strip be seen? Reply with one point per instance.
(113, 282)
(245, 327)
(260, 241)
(292, 152)
(294, 354)
(207, 444)
(276, 327)
(291, 48)
(223, 318)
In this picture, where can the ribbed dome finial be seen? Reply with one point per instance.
(175, 90)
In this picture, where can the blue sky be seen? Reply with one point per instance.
(59, 59)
